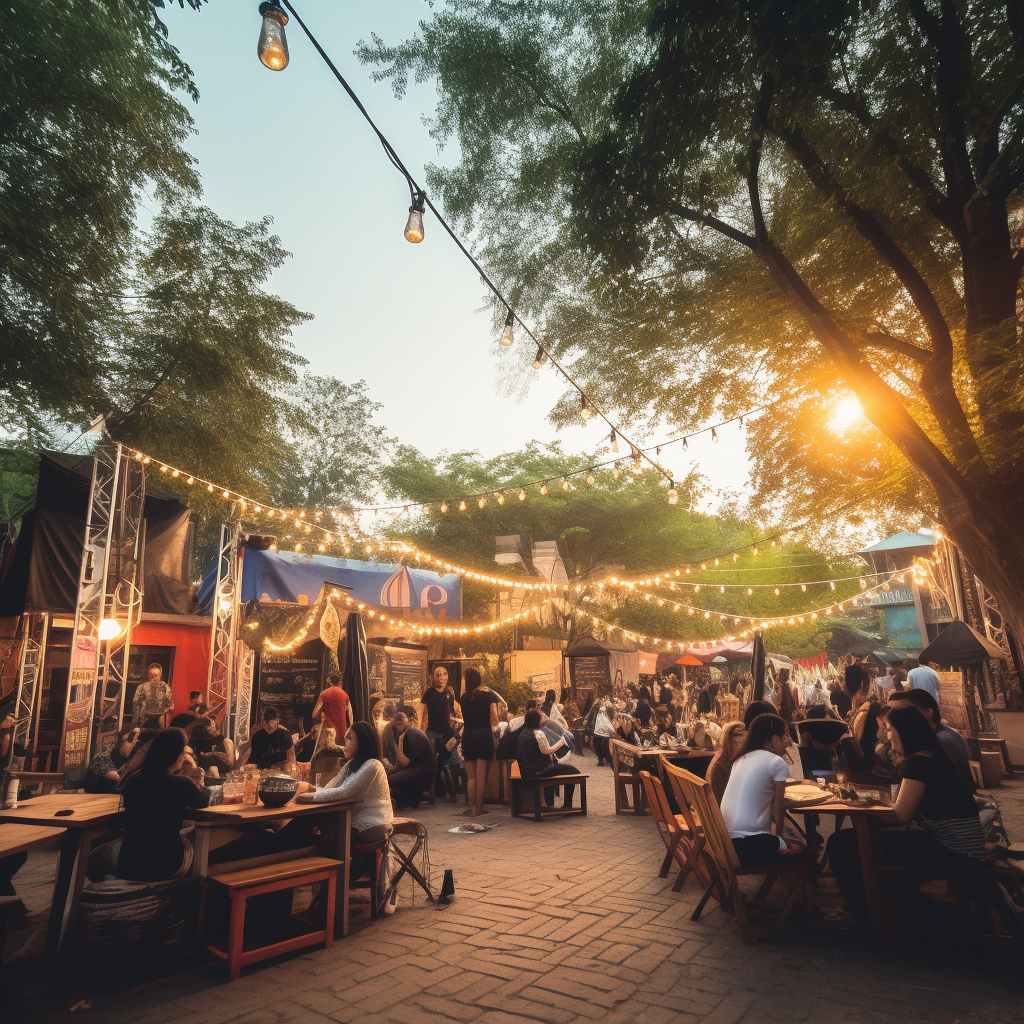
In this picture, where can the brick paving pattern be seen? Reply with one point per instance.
(566, 921)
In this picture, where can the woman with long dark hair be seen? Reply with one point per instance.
(733, 737)
(480, 715)
(934, 798)
(755, 794)
(155, 802)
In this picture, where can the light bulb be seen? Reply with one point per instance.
(444, 506)
(506, 335)
(776, 591)
(501, 499)
(803, 587)
(565, 485)
(543, 488)
(540, 358)
(482, 502)
(522, 494)
(586, 411)
(673, 497)
(462, 506)
(414, 225)
(615, 441)
(272, 49)
(615, 472)
(109, 628)
(590, 478)
(750, 591)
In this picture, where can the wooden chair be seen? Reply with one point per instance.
(700, 860)
(727, 863)
(678, 838)
(378, 851)
(626, 780)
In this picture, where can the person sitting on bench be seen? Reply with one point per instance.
(409, 774)
(536, 757)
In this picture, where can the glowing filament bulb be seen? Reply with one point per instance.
(414, 225)
(522, 494)
(543, 488)
(540, 358)
(501, 499)
(673, 496)
(444, 506)
(506, 335)
(482, 502)
(565, 485)
(462, 506)
(272, 48)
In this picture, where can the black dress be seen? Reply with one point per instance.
(477, 739)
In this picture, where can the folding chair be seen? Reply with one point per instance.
(683, 843)
(701, 862)
(728, 868)
(407, 827)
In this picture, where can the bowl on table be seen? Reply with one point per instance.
(276, 790)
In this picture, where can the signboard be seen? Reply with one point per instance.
(291, 681)
(952, 705)
(406, 673)
(81, 688)
(589, 673)
(541, 682)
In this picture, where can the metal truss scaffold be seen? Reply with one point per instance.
(220, 681)
(35, 627)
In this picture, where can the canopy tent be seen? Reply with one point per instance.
(898, 551)
(708, 652)
(689, 661)
(888, 657)
(960, 644)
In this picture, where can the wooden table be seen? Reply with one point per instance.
(230, 819)
(867, 823)
(94, 814)
(19, 838)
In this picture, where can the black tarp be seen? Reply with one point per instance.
(42, 568)
(959, 644)
(585, 647)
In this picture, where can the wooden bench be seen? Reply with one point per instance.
(255, 881)
(535, 785)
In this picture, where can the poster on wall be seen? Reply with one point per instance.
(589, 674)
(290, 681)
(407, 673)
(77, 714)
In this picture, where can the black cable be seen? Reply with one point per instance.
(415, 189)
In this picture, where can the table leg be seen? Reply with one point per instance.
(869, 847)
(61, 889)
(343, 852)
(200, 872)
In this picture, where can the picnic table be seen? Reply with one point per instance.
(868, 820)
(219, 825)
(92, 815)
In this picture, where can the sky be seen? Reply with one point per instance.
(407, 319)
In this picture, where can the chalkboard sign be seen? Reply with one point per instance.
(589, 673)
(406, 673)
(952, 705)
(291, 682)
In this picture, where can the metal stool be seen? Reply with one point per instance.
(407, 827)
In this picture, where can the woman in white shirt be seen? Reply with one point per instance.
(755, 796)
(536, 757)
(363, 778)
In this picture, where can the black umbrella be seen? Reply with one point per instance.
(355, 670)
(757, 666)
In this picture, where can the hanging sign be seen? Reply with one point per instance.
(81, 691)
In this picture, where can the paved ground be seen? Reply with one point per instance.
(560, 922)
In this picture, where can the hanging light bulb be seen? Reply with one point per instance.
(462, 506)
(522, 494)
(685, 444)
(414, 225)
(444, 506)
(565, 485)
(776, 591)
(714, 435)
(673, 496)
(543, 488)
(750, 591)
(615, 472)
(272, 49)
(540, 358)
(590, 479)
(482, 502)
(501, 497)
(586, 410)
(506, 335)
(803, 587)
(614, 440)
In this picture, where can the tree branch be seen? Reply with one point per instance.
(757, 129)
(887, 343)
(706, 220)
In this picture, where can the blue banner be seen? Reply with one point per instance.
(408, 593)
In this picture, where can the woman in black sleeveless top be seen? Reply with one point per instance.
(480, 717)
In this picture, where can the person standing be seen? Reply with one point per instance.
(153, 700)
(480, 718)
(924, 677)
(437, 710)
(333, 702)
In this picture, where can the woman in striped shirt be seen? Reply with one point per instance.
(935, 804)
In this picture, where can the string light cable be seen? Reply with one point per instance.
(422, 200)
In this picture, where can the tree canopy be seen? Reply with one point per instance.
(711, 206)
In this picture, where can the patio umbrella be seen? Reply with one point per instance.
(758, 667)
(355, 670)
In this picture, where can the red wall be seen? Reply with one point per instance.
(191, 657)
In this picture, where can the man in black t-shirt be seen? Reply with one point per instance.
(271, 743)
(409, 776)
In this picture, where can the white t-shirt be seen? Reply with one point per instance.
(747, 802)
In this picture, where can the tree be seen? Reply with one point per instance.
(781, 201)
(620, 526)
(89, 119)
(334, 449)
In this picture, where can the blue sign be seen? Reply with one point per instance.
(408, 593)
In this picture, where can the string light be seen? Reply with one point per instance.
(506, 335)
(272, 48)
(586, 411)
(522, 494)
(414, 225)
(543, 488)
(540, 358)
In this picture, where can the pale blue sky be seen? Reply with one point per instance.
(406, 318)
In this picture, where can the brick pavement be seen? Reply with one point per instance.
(566, 921)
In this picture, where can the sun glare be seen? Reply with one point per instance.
(846, 413)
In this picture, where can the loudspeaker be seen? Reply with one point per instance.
(447, 888)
